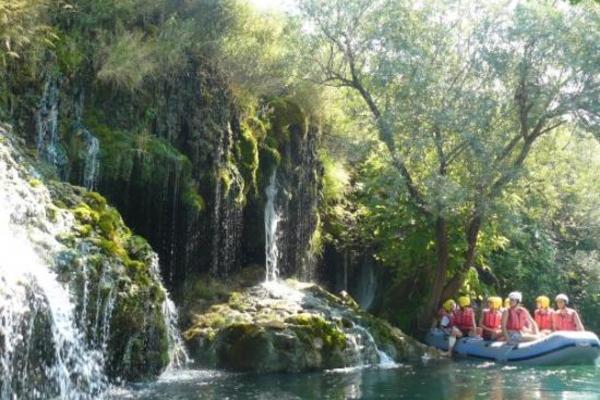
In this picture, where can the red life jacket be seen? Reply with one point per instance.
(463, 319)
(564, 320)
(492, 319)
(543, 318)
(517, 319)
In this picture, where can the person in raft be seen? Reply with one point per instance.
(543, 315)
(565, 318)
(517, 324)
(464, 317)
(446, 323)
(491, 319)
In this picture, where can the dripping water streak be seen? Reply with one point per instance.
(272, 219)
(92, 161)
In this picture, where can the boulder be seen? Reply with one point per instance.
(293, 327)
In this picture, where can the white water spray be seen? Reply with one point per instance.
(44, 354)
(272, 219)
(178, 356)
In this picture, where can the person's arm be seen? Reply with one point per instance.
(481, 325)
(474, 325)
(578, 322)
(532, 322)
(504, 322)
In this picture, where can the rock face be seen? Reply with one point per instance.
(185, 169)
(78, 287)
(298, 179)
(291, 327)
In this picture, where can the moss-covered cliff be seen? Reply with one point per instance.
(81, 286)
(134, 101)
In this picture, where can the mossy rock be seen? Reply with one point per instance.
(244, 347)
(293, 327)
(287, 118)
(118, 299)
(85, 215)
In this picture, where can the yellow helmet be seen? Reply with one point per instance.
(496, 301)
(464, 301)
(543, 301)
(449, 305)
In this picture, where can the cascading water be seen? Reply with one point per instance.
(46, 121)
(91, 166)
(43, 353)
(57, 302)
(361, 347)
(366, 285)
(178, 356)
(272, 219)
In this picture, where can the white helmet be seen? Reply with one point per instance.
(562, 297)
(515, 296)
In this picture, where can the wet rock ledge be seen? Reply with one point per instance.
(293, 327)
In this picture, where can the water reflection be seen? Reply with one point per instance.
(460, 381)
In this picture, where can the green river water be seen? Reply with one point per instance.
(460, 380)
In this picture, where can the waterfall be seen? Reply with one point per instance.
(272, 219)
(363, 343)
(46, 121)
(366, 284)
(56, 305)
(178, 355)
(92, 162)
(44, 353)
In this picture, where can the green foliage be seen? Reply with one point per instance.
(455, 134)
(23, 27)
(193, 199)
(286, 118)
(336, 179)
(128, 61)
(554, 230)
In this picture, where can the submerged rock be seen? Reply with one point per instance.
(292, 327)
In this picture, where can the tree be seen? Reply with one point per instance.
(459, 94)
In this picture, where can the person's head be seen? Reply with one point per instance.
(561, 301)
(515, 298)
(542, 302)
(506, 302)
(449, 305)
(494, 302)
(464, 301)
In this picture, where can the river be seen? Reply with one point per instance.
(461, 380)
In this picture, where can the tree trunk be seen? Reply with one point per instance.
(440, 290)
(440, 272)
(457, 280)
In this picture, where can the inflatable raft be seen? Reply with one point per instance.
(559, 348)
